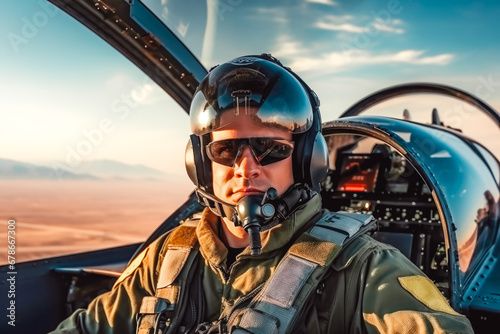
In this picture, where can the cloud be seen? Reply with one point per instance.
(337, 61)
(271, 14)
(302, 59)
(414, 57)
(379, 25)
(288, 48)
(210, 32)
(344, 23)
(340, 27)
(323, 2)
(182, 28)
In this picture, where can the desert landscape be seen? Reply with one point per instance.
(61, 217)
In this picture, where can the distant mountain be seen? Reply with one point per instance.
(14, 170)
(85, 170)
(119, 170)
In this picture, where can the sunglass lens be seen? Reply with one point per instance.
(223, 152)
(266, 150)
(273, 151)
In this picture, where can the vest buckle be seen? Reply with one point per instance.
(155, 316)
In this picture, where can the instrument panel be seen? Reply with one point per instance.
(367, 176)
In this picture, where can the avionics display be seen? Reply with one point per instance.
(358, 172)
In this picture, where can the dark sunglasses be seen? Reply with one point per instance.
(266, 150)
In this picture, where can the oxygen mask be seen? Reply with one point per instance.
(252, 212)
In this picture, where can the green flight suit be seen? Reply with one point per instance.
(371, 287)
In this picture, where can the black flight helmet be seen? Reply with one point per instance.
(268, 94)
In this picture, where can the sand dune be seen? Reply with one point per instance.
(55, 218)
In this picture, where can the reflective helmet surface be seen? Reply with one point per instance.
(262, 90)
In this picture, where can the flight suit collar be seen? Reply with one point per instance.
(211, 246)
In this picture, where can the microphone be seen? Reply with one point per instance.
(252, 212)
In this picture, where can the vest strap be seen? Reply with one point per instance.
(153, 315)
(161, 312)
(338, 227)
(275, 308)
(255, 319)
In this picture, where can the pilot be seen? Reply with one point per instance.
(263, 256)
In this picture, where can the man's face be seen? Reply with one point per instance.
(247, 176)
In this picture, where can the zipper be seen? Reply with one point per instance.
(230, 316)
(248, 296)
(231, 267)
(226, 274)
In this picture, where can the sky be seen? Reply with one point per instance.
(66, 95)
(347, 49)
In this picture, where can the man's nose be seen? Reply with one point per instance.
(247, 166)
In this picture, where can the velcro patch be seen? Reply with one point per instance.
(314, 249)
(424, 290)
(172, 265)
(285, 285)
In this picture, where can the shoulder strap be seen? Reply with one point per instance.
(161, 312)
(275, 308)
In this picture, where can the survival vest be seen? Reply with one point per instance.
(271, 308)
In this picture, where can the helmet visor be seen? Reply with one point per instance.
(265, 94)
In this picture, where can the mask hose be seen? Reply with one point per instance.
(252, 212)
